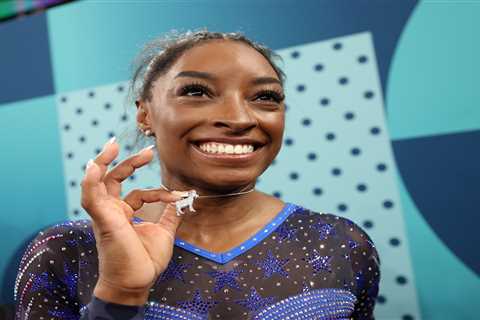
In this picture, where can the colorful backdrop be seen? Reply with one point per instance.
(382, 124)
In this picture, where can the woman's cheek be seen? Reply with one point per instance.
(275, 126)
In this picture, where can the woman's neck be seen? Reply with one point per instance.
(223, 212)
(216, 207)
(222, 223)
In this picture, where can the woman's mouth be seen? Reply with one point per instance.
(225, 148)
(227, 151)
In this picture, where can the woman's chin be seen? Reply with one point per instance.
(229, 184)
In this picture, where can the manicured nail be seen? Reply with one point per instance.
(89, 164)
(112, 140)
(150, 147)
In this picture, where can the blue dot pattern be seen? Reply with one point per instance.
(88, 118)
(336, 155)
(352, 172)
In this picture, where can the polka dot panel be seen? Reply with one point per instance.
(88, 119)
(353, 172)
(336, 155)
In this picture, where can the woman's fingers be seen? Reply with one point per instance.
(136, 198)
(114, 178)
(107, 155)
(92, 186)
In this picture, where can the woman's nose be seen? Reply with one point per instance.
(236, 114)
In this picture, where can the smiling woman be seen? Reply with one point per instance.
(213, 105)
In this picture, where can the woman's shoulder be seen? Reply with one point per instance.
(54, 256)
(71, 233)
(329, 224)
(62, 239)
(324, 216)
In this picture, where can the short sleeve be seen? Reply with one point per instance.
(46, 283)
(365, 267)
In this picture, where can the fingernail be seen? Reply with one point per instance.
(89, 164)
(112, 140)
(150, 147)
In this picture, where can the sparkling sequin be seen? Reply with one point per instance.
(70, 279)
(158, 311)
(26, 288)
(318, 262)
(65, 314)
(72, 242)
(83, 264)
(324, 229)
(285, 232)
(225, 279)
(271, 265)
(360, 280)
(290, 269)
(197, 304)
(22, 270)
(305, 287)
(174, 270)
(35, 245)
(89, 237)
(255, 301)
(42, 281)
(352, 244)
(314, 304)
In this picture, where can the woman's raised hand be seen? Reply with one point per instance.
(131, 256)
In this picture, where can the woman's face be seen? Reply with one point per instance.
(218, 95)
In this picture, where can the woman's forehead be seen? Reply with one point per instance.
(222, 57)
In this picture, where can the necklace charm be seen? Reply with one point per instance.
(186, 202)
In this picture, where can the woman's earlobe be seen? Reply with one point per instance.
(141, 114)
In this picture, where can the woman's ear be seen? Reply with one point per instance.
(143, 120)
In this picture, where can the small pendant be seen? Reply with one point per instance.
(186, 202)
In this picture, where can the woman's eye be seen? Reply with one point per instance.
(270, 96)
(194, 91)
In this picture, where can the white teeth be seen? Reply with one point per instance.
(213, 147)
(238, 149)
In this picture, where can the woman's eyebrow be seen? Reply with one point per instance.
(265, 80)
(209, 76)
(196, 74)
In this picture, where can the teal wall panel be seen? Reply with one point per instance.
(447, 289)
(432, 90)
(433, 82)
(93, 42)
(32, 191)
(106, 36)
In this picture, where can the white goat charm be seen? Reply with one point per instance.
(186, 202)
